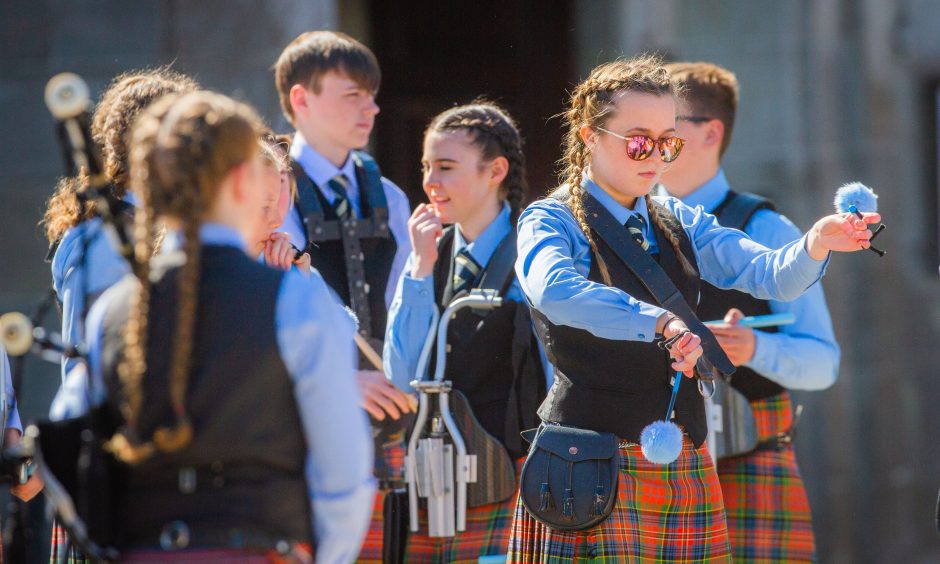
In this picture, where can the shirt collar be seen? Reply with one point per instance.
(620, 212)
(710, 194)
(318, 168)
(485, 245)
(215, 234)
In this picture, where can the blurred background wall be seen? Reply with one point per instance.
(831, 91)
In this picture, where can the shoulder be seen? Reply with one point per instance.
(393, 193)
(685, 214)
(548, 217)
(67, 251)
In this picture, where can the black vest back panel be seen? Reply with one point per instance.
(716, 302)
(620, 386)
(327, 256)
(247, 427)
(493, 358)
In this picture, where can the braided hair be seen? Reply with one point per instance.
(592, 103)
(182, 150)
(495, 133)
(124, 99)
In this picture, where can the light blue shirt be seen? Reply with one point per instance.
(804, 355)
(315, 339)
(413, 307)
(13, 414)
(320, 170)
(555, 259)
(104, 267)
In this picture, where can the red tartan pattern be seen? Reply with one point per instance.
(487, 534)
(664, 513)
(371, 551)
(62, 551)
(769, 518)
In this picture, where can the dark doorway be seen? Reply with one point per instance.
(434, 55)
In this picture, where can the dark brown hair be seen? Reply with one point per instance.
(592, 103)
(710, 91)
(315, 53)
(183, 148)
(494, 132)
(127, 95)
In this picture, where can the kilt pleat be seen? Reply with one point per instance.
(61, 550)
(664, 513)
(769, 518)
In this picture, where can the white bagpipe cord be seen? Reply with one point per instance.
(661, 441)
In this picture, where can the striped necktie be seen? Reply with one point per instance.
(339, 184)
(635, 226)
(466, 270)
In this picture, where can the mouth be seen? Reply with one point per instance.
(439, 200)
(647, 174)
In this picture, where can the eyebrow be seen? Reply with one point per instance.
(441, 160)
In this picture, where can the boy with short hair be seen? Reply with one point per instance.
(768, 512)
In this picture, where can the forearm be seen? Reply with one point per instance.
(409, 320)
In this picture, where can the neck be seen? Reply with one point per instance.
(336, 155)
(624, 200)
(229, 219)
(472, 227)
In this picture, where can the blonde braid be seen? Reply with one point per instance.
(183, 149)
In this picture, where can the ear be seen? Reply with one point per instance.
(298, 99)
(499, 168)
(588, 135)
(236, 181)
(715, 132)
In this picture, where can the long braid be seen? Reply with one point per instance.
(496, 134)
(592, 103)
(183, 149)
(671, 236)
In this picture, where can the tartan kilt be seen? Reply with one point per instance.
(487, 534)
(61, 550)
(768, 512)
(664, 513)
(371, 551)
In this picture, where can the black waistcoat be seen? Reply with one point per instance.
(377, 245)
(715, 303)
(248, 449)
(618, 386)
(493, 356)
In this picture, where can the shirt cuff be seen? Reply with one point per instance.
(764, 352)
(645, 322)
(417, 291)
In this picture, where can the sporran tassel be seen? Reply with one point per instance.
(546, 501)
(567, 511)
(600, 500)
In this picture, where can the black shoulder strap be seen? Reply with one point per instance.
(654, 278)
(500, 272)
(372, 190)
(737, 209)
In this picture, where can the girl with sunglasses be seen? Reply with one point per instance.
(474, 177)
(598, 321)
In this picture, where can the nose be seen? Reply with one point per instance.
(372, 108)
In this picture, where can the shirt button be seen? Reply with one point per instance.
(642, 336)
(424, 292)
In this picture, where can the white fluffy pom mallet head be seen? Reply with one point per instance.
(855, 195)
(856, 198)
(661, 441)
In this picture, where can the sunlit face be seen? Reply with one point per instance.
(456, 180)
(341, 115)
(683, 174)
(269, 189)
(634, 113)
(283, 198)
